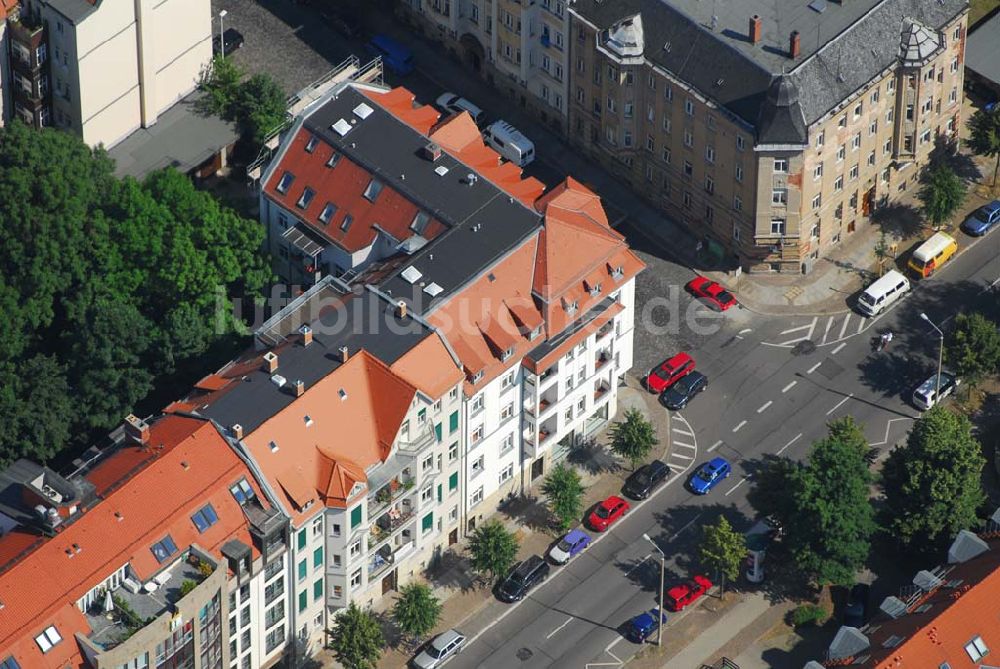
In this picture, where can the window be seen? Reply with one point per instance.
(841, 152)
(709, 185)
(739, 173)
(854, 173)
(857, 110)
(47, 639)
(954, 65)
(302, 539)
(627, 138)
(311, 144)
(688, 138)
(667, 125)
(740, 143)
(737, 203)
(665, 155)
(688, 168)
(873, 128)
(356, 513)
(333, 159)
(507, 473)
(427, 494)
(285, 182)
(627, 109)
(478, 465)
(856, 142)
(372, 190)
(709, 214)
(453, 482)
(650, 143)
(306, 198)
(317, 589)
(887, 147)
(477, 496)
(777, 226)
(507, 411)
(204, 518)
(453, 452)
(163, 549)
(477, 403)
(889, 116)
(818, 172)
(508, 444)
(420, 222)
(736, 231)
(477, 434)
(303, 568)
(820, 139)
(925, 136)
(688, 107)
(329, 209)
(427, 523)
(686, 199)
(355, 549)
(345, 225)
(874, 97)
(956, 35)
(779, 196)
(871, 158)
(356, 578)
(977, 648)
(781, 165)
(317, 526)
(838, 183)
(611, 104)
(842, 121)
(274, 638)
(318, 558)
(817, 201)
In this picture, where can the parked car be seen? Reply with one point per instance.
(347, 25)
(645, 479)
(684, 595)
(709, 475)
(441, 649)
(856, 611)
(925, 396)
(607, 513)
(455, 104)
(522, 578)
(677, 396)
(711, 293)
(644, 625)
(667, 372)
(983, 219)
(571, 544)
(232, 39)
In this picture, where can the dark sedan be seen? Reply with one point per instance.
(231, 39)
(677, 396)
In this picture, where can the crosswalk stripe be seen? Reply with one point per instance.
(682, 445)
(843, 328)
(684, 432)
(861, 325)
(682, 457)
(826, 332)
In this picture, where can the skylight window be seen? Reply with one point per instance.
(328, 211)
(9, 663)
(163, 549)
(372, 190)
(286, 182)
(333, 159)
(411, 274)
(47, 639)
(307, 196)
(311, 144)
(346, 223)
(420, 222)
(977, 649)
(204, 518)
(242, 491)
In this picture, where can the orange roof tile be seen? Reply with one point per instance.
(429, 367)
(539, 366)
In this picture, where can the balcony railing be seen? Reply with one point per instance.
(391, 492)
(390, 522)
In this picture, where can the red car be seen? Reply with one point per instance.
(682, 596)
(606, 513)
(666, 373)
(709, 291)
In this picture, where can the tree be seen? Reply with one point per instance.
(493, 549)
(932, 485)
(984, 136)
(722, 550)
(356, 638)
(564, 491)
(883, 252)
(261, 107)
(830, 531)
(942, 193)
(220, 81)
(771, 485)
(417, 610)
(974, 348)
(633, 438)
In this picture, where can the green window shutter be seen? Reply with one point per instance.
(440, 492)
(302, 539)
(437, 431)
(428, 521)
(303, 600)
(452, 422)
(355, 517)
(453, 481)
(422, 415)
(318, 589)
(302, 569)
(317, 557)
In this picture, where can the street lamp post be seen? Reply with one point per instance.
(937, 385)
(222, 33)
(663, 568)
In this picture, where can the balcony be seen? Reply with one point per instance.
(605, 330)
(601, 389)
(602, 359)
(547, 377)
(390, 522)
(389, 555)
(394, 490)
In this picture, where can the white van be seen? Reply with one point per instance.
(882, 293)
(925, 396)
(508, 141)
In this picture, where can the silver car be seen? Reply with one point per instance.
(441, 649)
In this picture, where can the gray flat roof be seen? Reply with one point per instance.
(982, 49)
(484, 221)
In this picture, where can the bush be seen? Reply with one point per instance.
(807, 614)
(187, 585)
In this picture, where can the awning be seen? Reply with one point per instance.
(299, 237)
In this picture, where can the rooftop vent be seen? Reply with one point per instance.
(441, 170)
(279, 380)
(273, 446)
(411, 274)
(363, 111)
(433, 289)
(342, 394)
(431, 151)
(345, 354)
(471, 178)
(341, 127)
(893, 607)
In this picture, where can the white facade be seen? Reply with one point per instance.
(258, 616)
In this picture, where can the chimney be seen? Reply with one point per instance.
(794, 44)
(432, 151)
(401, 309)
(137, 429)
(307, 335)
(755, 28)
(270, 362)
(237, 431)
(344, 354)
(300, 387)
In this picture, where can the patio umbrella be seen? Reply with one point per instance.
(109, 604)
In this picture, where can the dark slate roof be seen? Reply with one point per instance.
(849, 39)
(781, 120)
(485, 222)
(982, 55)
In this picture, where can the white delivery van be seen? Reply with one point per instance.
(882, 293)
(508, 141)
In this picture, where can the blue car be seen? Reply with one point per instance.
(709, 475)
(981, 220)
(645, 625)
(568, 546)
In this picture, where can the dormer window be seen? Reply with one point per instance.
(571, 307)
(307, 196)
(48, 638)
(346, 223)
(328, 211)
(372, 190)
(204, 518)
(595, 290)
(285, 182)
(241, 491)
(163, 549)
(534, 333)
(618, 272)
(477, 377)
(333, 159)
(311, 144)
(420, 222)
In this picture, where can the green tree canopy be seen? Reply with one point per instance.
(107, 285)
(261, 106)
(984, 136)
(417, 610)
(493, 549)
(933, 484)
(633, 438)
(722, 549)
(220, 81)
(974, 348)
(564, 491)
(941, 194)
(829, 534)
(356, 638)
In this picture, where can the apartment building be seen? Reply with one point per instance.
(105, 69)
(521, 48)
(772, 138)
(140, 556)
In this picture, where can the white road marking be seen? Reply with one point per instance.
(731, 490)
(689, 524)
(677, 469)
(861, 325)
(612, 644)
(826, 332)
(788, 387)
(840, 346)
(843, 328)
(556, 630)
(839, 404)
(746, 330)
(794, 439)
(808, 335)
(807, 326)
(741, 424)
(684, 432)
(888, 426)
(764, 406)
(638, 564)
(677, 443)
(715, 446)
(814, 367)
(682, 457)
